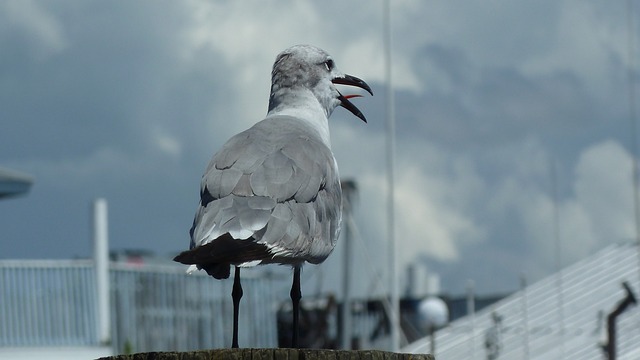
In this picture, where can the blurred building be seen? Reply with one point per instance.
(13, 183)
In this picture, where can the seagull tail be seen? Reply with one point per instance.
(217, 256)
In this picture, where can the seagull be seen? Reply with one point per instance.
(272, 194)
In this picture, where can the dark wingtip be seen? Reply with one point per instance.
(217, 256)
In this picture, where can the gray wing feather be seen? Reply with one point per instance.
(273, 183)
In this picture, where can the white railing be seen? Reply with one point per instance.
(152, 307)
(161, 308)
(47, 303)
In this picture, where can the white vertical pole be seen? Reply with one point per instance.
(558, 256)
(525, 317)
(394, 283)
(101, 260)
(348, 189)
(633, 115)
(471, 312)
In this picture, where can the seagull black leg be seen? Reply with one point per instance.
(296, 295)
(236, 295)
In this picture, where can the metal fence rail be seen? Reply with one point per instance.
(162, 308)
(153, 308)
(47, 303)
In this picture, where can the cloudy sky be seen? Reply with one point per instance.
(510, 114)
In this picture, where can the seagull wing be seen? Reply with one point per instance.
(271, 194)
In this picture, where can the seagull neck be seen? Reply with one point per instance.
(304, 106)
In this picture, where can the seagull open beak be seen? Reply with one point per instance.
(344, 100)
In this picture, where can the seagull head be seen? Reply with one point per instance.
(305, 68)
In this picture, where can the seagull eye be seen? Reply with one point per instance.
(329, 64)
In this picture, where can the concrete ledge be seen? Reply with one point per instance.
(273, 354)
(54, 352)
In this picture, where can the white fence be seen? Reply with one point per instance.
(153, 308)
(47, 303)
(161, 308)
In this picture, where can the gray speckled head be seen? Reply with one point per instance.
(303, 68)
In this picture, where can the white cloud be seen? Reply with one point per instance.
(598, 211)
(434, 190)
(427, 223)
(445, 205)
(585, 41)
(251, 39)
(603, 187)
(167, 143)
(42, 30)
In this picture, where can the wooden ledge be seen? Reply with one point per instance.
(272, 354)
